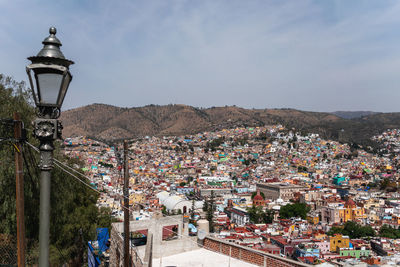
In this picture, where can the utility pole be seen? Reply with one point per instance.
(126, 206)
(19, 178)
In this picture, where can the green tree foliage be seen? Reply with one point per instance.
(294, 210)
(164, 210)
(257, 215)
(210, 212)
(205, 205)
(73, 208)
(107, 165)
(268, 216)
(389, 232)
(214, 144)
(192, 214)
(353, 230)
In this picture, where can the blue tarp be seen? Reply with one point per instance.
(93, 260)
(192, 228)
(102, 237)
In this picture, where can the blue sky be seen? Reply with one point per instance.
(309, 55)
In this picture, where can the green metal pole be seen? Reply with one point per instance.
(46, 159)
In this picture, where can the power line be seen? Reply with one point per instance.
(32, 159)
(59, 164)
(73, 175)
(32, 146)
(27, 165)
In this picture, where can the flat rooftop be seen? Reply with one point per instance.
(279, 185)
(199, 258)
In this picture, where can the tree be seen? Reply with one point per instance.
(294, 210)
(164, 210)
(205, 205)
(210, 212)
(389, 232)
(73, 206)
(256, 214)
(268, 216)
(353, 230)
(385, 183)
(192, 210)
(335, 230)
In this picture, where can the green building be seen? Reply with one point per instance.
(355, 253)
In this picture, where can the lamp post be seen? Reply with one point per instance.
(52, 77)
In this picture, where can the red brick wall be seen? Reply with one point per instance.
(248, 254)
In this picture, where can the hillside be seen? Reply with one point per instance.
(108, 122)
(353, 114)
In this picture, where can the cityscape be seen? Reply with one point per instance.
(199, 133)
(271, 189)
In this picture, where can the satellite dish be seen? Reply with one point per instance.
(202, 234)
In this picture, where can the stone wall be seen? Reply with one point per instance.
(248, 254)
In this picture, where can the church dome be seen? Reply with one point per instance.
(350, 203)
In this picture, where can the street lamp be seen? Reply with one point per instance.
(52, 77)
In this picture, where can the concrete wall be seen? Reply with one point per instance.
(249, 255)
(160, 248)
(117, 251)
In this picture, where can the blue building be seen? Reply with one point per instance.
(339, 180)
(242, 190)
(307, 250)
(184, 190)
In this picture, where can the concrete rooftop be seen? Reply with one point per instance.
(199, 258)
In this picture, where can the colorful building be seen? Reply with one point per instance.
(351, 212)
(258, 200)
(339, 241)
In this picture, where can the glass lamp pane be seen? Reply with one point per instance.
(64, 88)
(49, 87)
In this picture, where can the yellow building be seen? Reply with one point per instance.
(372, 203)
(319, 236)
(136, 198)
(396, 219)
(313, 218)
(339, 241)
(351, 212)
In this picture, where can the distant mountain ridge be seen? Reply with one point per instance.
(353, 114)
(108, 122)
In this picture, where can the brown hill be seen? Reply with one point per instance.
(108, 122)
